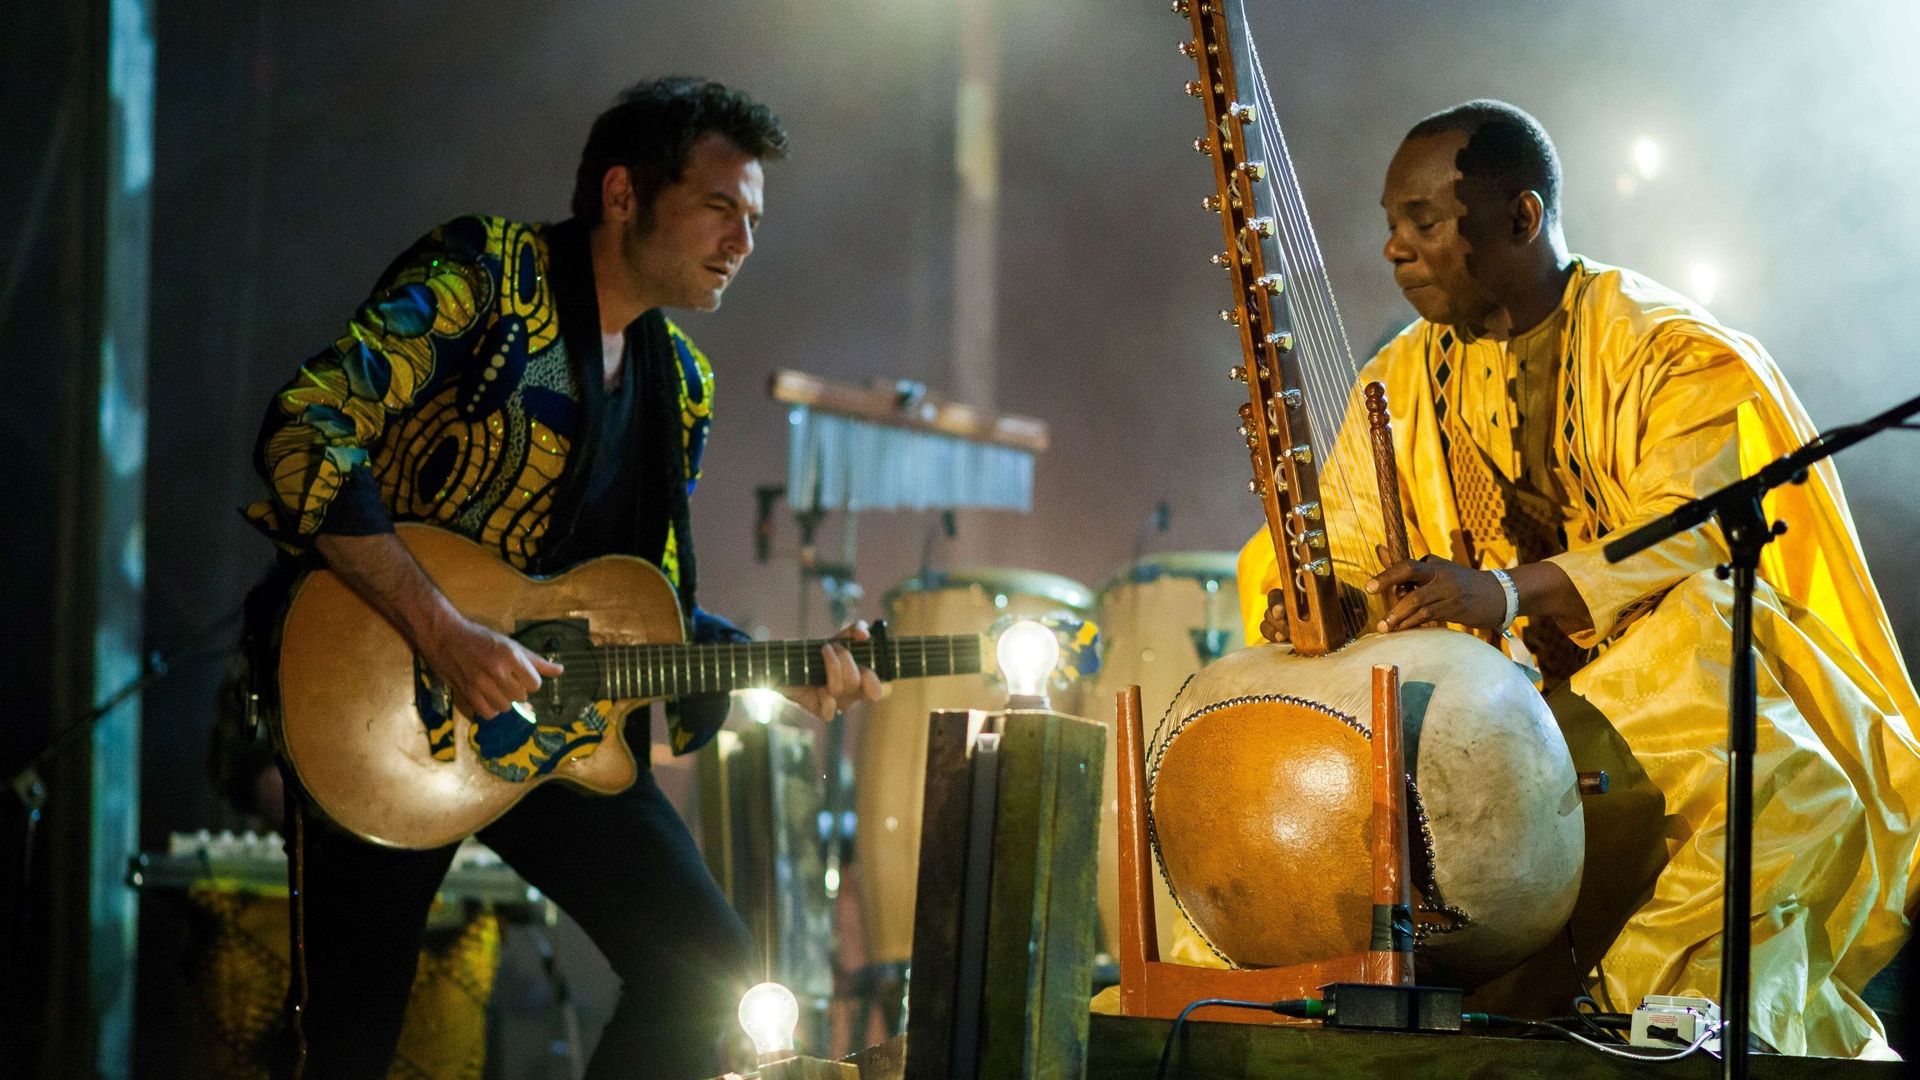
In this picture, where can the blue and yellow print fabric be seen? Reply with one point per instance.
(452, 387)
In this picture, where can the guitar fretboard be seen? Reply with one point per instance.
(645, 671)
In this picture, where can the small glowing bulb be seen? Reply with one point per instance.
(1646, 157)
(1704, 280)
(1027, 652)
(768, 1014)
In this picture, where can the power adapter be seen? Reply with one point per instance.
(1372, 1007)
(1667, 1021)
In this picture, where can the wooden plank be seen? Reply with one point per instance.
(970, 979)
(806, 1068)
(882, 1061)
(1128, 1048)
(1041, 935)
(939, 899)
(1070, 936)
(884, 404)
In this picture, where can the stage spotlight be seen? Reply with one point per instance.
(1646, 157)
(1703, 281)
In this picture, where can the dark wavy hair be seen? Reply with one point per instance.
(652, 128)
(1506, 146)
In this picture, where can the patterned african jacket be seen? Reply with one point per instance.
(459, 397)
(456, 398)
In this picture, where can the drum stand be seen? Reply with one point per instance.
(880, 986)
(1152, 987)
(1743, 521)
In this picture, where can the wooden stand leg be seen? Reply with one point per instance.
(1390, 954)
(1139, 939)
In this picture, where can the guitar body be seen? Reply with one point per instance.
(350, 721)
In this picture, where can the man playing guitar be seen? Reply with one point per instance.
(519, 385)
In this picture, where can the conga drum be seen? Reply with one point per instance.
(890, 766)
(1161, 619)
(237, 968)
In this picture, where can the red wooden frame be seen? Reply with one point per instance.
(1152, 987)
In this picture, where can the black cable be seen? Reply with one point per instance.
(1707, 1031)
(1304, 1008)
(1587, 1012)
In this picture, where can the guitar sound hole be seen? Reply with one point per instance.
(569, 642)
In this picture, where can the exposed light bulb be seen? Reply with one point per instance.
(761, 705)
(1027, 652)
(768, 1014)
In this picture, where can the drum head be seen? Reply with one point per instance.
(1161, 619)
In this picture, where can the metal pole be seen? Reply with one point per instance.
(976, 222)
(1736, 941)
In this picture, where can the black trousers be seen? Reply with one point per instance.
(623, 866)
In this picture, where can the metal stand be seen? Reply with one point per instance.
(30, 787)
(1744, 522)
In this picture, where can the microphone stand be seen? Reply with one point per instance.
(1748, 532)
(30, 787)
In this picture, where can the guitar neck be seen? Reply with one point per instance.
(647, 671)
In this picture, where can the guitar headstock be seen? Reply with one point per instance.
(1273, 421)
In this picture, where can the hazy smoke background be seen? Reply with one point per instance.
(301, 146)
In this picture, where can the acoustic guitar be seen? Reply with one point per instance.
(380, 747)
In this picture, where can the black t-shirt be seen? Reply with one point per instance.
(607, 520)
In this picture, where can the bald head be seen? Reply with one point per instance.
(1473, 233)
(1506, 150)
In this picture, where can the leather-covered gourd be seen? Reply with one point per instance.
(1261, 804)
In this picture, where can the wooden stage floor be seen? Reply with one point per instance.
(1128, 1048)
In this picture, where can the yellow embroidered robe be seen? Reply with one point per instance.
(1658, 404)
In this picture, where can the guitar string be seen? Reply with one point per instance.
(1305, 332)
(1313, 340)
(639, 660)
(958, 645)
(1326, 355)
(1336, 361)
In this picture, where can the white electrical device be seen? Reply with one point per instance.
(1663, 1021)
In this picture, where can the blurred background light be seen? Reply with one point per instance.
(762, 705)
(1646, 157)
(1703, 281)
